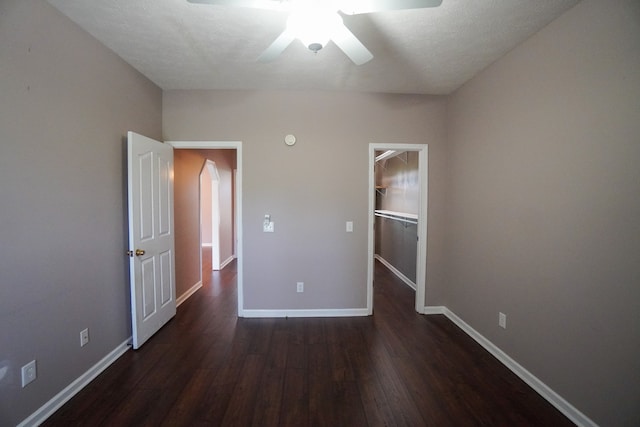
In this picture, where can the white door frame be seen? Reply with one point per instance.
(235, 203)
(233, 145)
(421, 261)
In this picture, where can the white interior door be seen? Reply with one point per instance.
(151, 237)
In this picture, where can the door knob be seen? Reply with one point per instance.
(139, 252)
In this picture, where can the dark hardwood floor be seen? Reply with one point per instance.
(207, 367)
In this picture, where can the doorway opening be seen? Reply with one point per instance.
(224, 179)
(397, 236)
(210, 205)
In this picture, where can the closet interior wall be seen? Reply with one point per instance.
(397, 207)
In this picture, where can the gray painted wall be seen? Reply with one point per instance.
(312, 188)
(545, 207)
(396, 243)
(66, 103)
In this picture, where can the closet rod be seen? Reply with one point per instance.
(397, 218)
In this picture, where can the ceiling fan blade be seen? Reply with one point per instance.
(351, 46)
(368, 6)
(254, 4)
(277, 47)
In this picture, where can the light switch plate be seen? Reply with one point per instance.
(502, 320)
(349, 226)
(84, 337)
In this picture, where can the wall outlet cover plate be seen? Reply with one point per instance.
(29, 373)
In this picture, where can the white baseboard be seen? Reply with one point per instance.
(46, 410)
(347, 312)
(541, 388)
(434, 309)
(226, 262)
(192, 290)
(395, 271)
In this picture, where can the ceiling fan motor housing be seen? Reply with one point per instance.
(315, 47)
(314, 26)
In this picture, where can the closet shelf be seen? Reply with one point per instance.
(381, 190)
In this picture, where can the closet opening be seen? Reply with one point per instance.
(398, 215)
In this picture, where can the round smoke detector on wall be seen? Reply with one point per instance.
(289, 139)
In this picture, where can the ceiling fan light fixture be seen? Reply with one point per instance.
(314, 28)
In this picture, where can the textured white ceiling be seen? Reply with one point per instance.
(179, 45)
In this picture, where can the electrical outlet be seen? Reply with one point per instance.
(300, 287)
(349, 226)
(502, 320)
(84, 337)
(29, 373)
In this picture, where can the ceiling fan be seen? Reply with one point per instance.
(315, 22)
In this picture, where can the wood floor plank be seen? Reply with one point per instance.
(372, 393)
(215, 400)
(184, 411)
(294, 410)
(243, 398)
(271, 385)
(405, 410)
(207, 367)
(296, 347)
